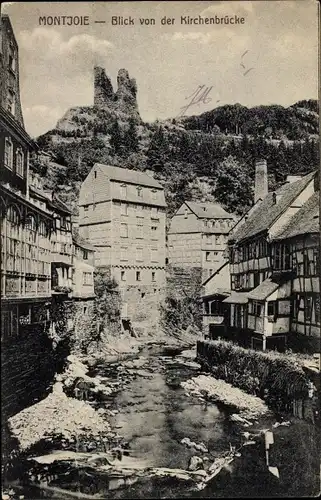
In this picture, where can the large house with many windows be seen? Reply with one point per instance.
(197, 237)
(122, 214)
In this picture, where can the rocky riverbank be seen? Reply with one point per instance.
(247, 406)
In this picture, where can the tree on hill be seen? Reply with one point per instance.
(158, 148)
(116, 139)
(234, 186)
(130, 139)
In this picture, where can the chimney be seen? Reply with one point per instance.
(261, 180)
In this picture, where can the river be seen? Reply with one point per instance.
(153, 415)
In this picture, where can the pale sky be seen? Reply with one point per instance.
(168, 62)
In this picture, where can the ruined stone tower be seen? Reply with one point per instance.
(123, 100)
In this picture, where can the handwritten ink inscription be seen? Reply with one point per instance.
(200, 95)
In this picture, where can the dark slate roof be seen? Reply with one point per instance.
(267, 212)
(264, 290)
(208, 210)
(129, 176)
(306, 220)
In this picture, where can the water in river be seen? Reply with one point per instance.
(154, 415)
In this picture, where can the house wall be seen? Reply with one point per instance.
(221, 280)
(196, 242)
(306, 287)
(82, 279)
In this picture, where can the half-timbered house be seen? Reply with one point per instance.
(262, 271)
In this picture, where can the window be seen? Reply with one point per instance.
(282, 259)
(186, 213)
(87, 278)
(124, 209)
(11, 102)
(306, 264)
(317, 309)
(256, 279)
(154, 195)
(19, 163)
(123, 191)
(85, 255)
(30, 223)
(154, 255)
(272, 308)
(139, 231)
(124, 253)
(139, 254)
(8, 153)
(43, 230)
(315, 264)
(139, 192)
(123, 275)
(153, 276)
(63, 223)
(154, 232)
(257, 308)
(124, 231)
(308, 307)
(207, 256)
(137, 275)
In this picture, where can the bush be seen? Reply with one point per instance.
(271, 375)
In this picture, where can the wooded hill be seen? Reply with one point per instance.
(206, 157)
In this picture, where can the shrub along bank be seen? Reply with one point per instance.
(275, 377)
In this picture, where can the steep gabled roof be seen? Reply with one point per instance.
(128, 176)
(268, 212)
(208, 210)
(306, 220)
(81, 242)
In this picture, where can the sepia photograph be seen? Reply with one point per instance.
(160, 249)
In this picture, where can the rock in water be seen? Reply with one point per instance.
(195, 463)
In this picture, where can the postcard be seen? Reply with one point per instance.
(160, 249)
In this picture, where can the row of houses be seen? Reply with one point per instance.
(42, 261)
(267, 295)
(260, 273)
